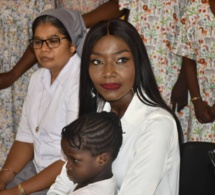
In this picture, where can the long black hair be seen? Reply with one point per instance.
(144, 83)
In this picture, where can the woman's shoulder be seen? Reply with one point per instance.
(156, 118)
(158, 112)
(146, 109)
(139, 113)
(160, 116)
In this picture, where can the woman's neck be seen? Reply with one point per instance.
(54, 75)
(120, 106)
(53, 79)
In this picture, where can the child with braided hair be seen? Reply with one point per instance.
(91, 143)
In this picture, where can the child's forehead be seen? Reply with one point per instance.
(77, 153)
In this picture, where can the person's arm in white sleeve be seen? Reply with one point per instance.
(63, 185)
(152, 156)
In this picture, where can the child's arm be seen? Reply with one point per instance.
(62, 184)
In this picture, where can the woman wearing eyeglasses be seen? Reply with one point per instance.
(51, 103)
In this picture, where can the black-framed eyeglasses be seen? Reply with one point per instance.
(51, 42)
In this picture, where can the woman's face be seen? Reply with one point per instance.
(112, 68)
(53, 59)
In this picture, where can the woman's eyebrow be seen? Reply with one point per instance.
(50, 36)
(117, 52)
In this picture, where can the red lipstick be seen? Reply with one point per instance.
(111, 86)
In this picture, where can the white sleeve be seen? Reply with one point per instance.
(152, 156)
(24, 133)
(63, 185)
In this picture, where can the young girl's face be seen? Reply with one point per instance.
(82, 167)
(53, 59)
(112, 69)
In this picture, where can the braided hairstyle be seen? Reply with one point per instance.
(95, 132)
